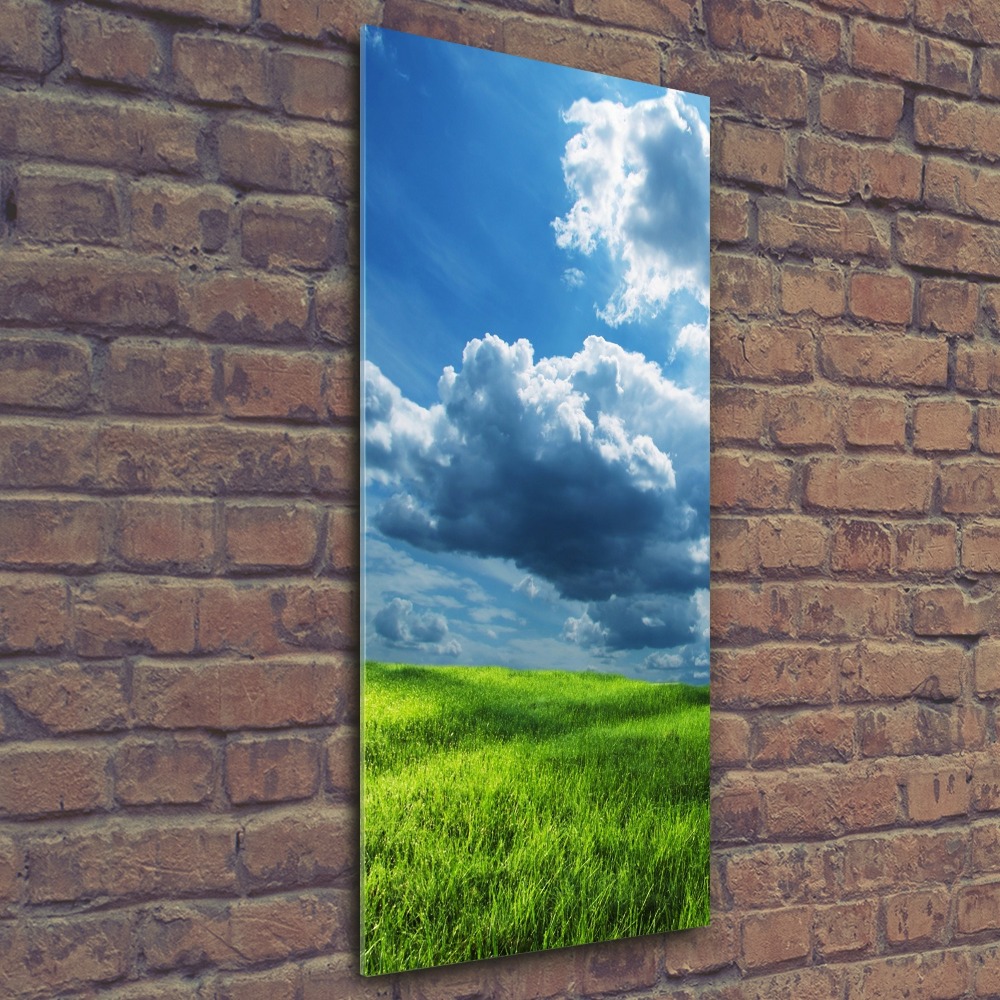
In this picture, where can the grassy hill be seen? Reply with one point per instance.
(508, 811)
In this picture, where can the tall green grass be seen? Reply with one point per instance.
(508, 811)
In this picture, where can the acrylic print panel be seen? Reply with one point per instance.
(536, 534)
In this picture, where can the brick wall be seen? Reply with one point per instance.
(179, 486)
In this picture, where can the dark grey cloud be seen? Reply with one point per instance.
(400, 625)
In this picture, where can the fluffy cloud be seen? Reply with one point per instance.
(401, 626)
(588, 472)
(639, 176)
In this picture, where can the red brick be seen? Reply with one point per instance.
(248, 307)
(847, 611)
(881, 298)
(970, 488)
(971, 20)
(51, 955)
(985, 786)
(164, 772)
(339, 19)
(337, 306)
(879, 670)
(180, 218)
(314, 86)
(810, 420)
(343, 536)
(29, 38)
(281, 983)
(341, 385)
(104, 46)
(300, 158)
(49, 780)
(99, 131)
(789, 543)
(987, 658)
(236, 13)
(769, 88)
(981, 547)
(884, 359)
(978, 908)
(845, 928)
(738, 415)
(917, 918)
(239, 694)
(961, 126)
(271, 536)
(989, 73)
(758, 483)
(742, 285)
(730, 737)
(949, 245)
(776, 936)
(741, 613)
(225, 71)
(948, 66)
(159, 377)
(774, 29)
(894, 484)
(285, 231)
(671, 18)
(812, 289)
(80, 205)
(977, 368)
(809, 737)
(829, 167)
(942, 425)
(773, 675)
(859, 107)
(625, 964)
(700, 949)
(272, 770)
(261, 383)
(926, 548)
(986, 970)
(730, 215)
(160, 859)
(908, 729)
(881, 864)
(50, 372)
(886, 50)
(949, 611)
(747, 153)
(942, 975)
(991, 309)
(896, 10)
(243, 932)
(69, 697)
(34, 613)
(822, 230)
(45, 288)
(863, 547)
(933, 795)
(875, 422)
(948, 306)
(342, 765)
(891, 174)
(763, 351)
(162, 534)
(116, 615)
(41, 533)
(989, 430)
(733, 549)
(575, 44)
(962, 189)
(820, 983)
(736, 814)
(774, 875)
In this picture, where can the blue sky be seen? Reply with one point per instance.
(535, 335)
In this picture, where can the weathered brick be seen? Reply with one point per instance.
(846, 611)
(736, 814)
(339, 19)
(34, 613)
(978, 908)
(991, 308)
(926, 548)
(884, 359)
(742, 285)
(281, 983)
(757, 483)
(943, 975)
(700, 949)
(776, 936)
(977, 368)
(948, 66)
(44, 371)
(770, 88)
(747, 153)
(100, 131)
(314, 86)
(882, 864)
(805, 737)
(270, 536)
(730, 215)
(248, 307)
(164, 772)
(887, 50)
(961, 188)
(730, 737)
(733, 549)
(908, 729)
(239, 694)
(891, 174)
(39, 532)
(860, 107)
(29, 38)
(236, 13)
(343, 536)
(68, 697)
(971, 20)
(222, 70)
(342, 760)
(829, 167)
(989, 430)
(625, 963)
(774, 29)
(894, 484)
(104, 46)
(981, 547)
(672, 18)
(942, 425)
(970, 487)
(826, 982)
(759, 611)
(767, 875)
(49, 779)
(987, 660)
(163, 534)
(763, 351)
(773, 675)
(949, 611)
(822, 230)
(933, 795)
(281, 232)
(881, 298)
(845, 928)
(984, 785)
(917, 918)
(54, 204)
(989, 73)
(896, 10)
(272, 770)
(948, 306)
(861, 547)
(180, 218)
(962, 126)
(569, 44)
(300, 158)
(812, 289)
(873, 670)
(801, 419)
(281, 384)
(790, 543)
(875, 422)
(159, 377)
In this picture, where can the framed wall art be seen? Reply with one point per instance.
(535, 294)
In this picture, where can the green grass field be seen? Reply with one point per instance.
(508, 811)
